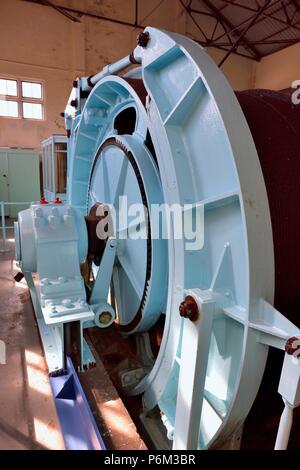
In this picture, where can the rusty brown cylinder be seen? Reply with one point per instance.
(274, 122)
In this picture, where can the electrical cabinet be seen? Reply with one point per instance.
(19, 178)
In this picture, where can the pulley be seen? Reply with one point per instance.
(201, 153)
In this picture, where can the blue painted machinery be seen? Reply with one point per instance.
(170, 131)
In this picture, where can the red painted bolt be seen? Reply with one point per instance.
(57, 201)
(143, 39)
(292, 345)
(189, 309)
(43, 200)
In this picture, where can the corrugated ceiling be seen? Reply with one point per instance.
(268, 25)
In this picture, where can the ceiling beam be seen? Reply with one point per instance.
(263, 42)
(224, 20)
(244, 32)
(187, 8)
(57, 8)
(266, 15)
(207, 42)
(250, 18)
(81, 13)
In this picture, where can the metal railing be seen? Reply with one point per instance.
(5, 227)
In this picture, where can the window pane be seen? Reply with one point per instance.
(31, 90)
(32, 111)
(8, 87)
(9, 108)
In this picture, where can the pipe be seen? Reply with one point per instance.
(111, 69)
(285, 427)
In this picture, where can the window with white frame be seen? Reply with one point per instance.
(21, 98)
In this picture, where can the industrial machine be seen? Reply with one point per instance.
(171, 134)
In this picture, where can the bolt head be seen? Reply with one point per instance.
(57, 201)
(112, 242)
(189, 309)
(74, 103)
(143, 39)
(292, 345)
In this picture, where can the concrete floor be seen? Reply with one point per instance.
(28, 418)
